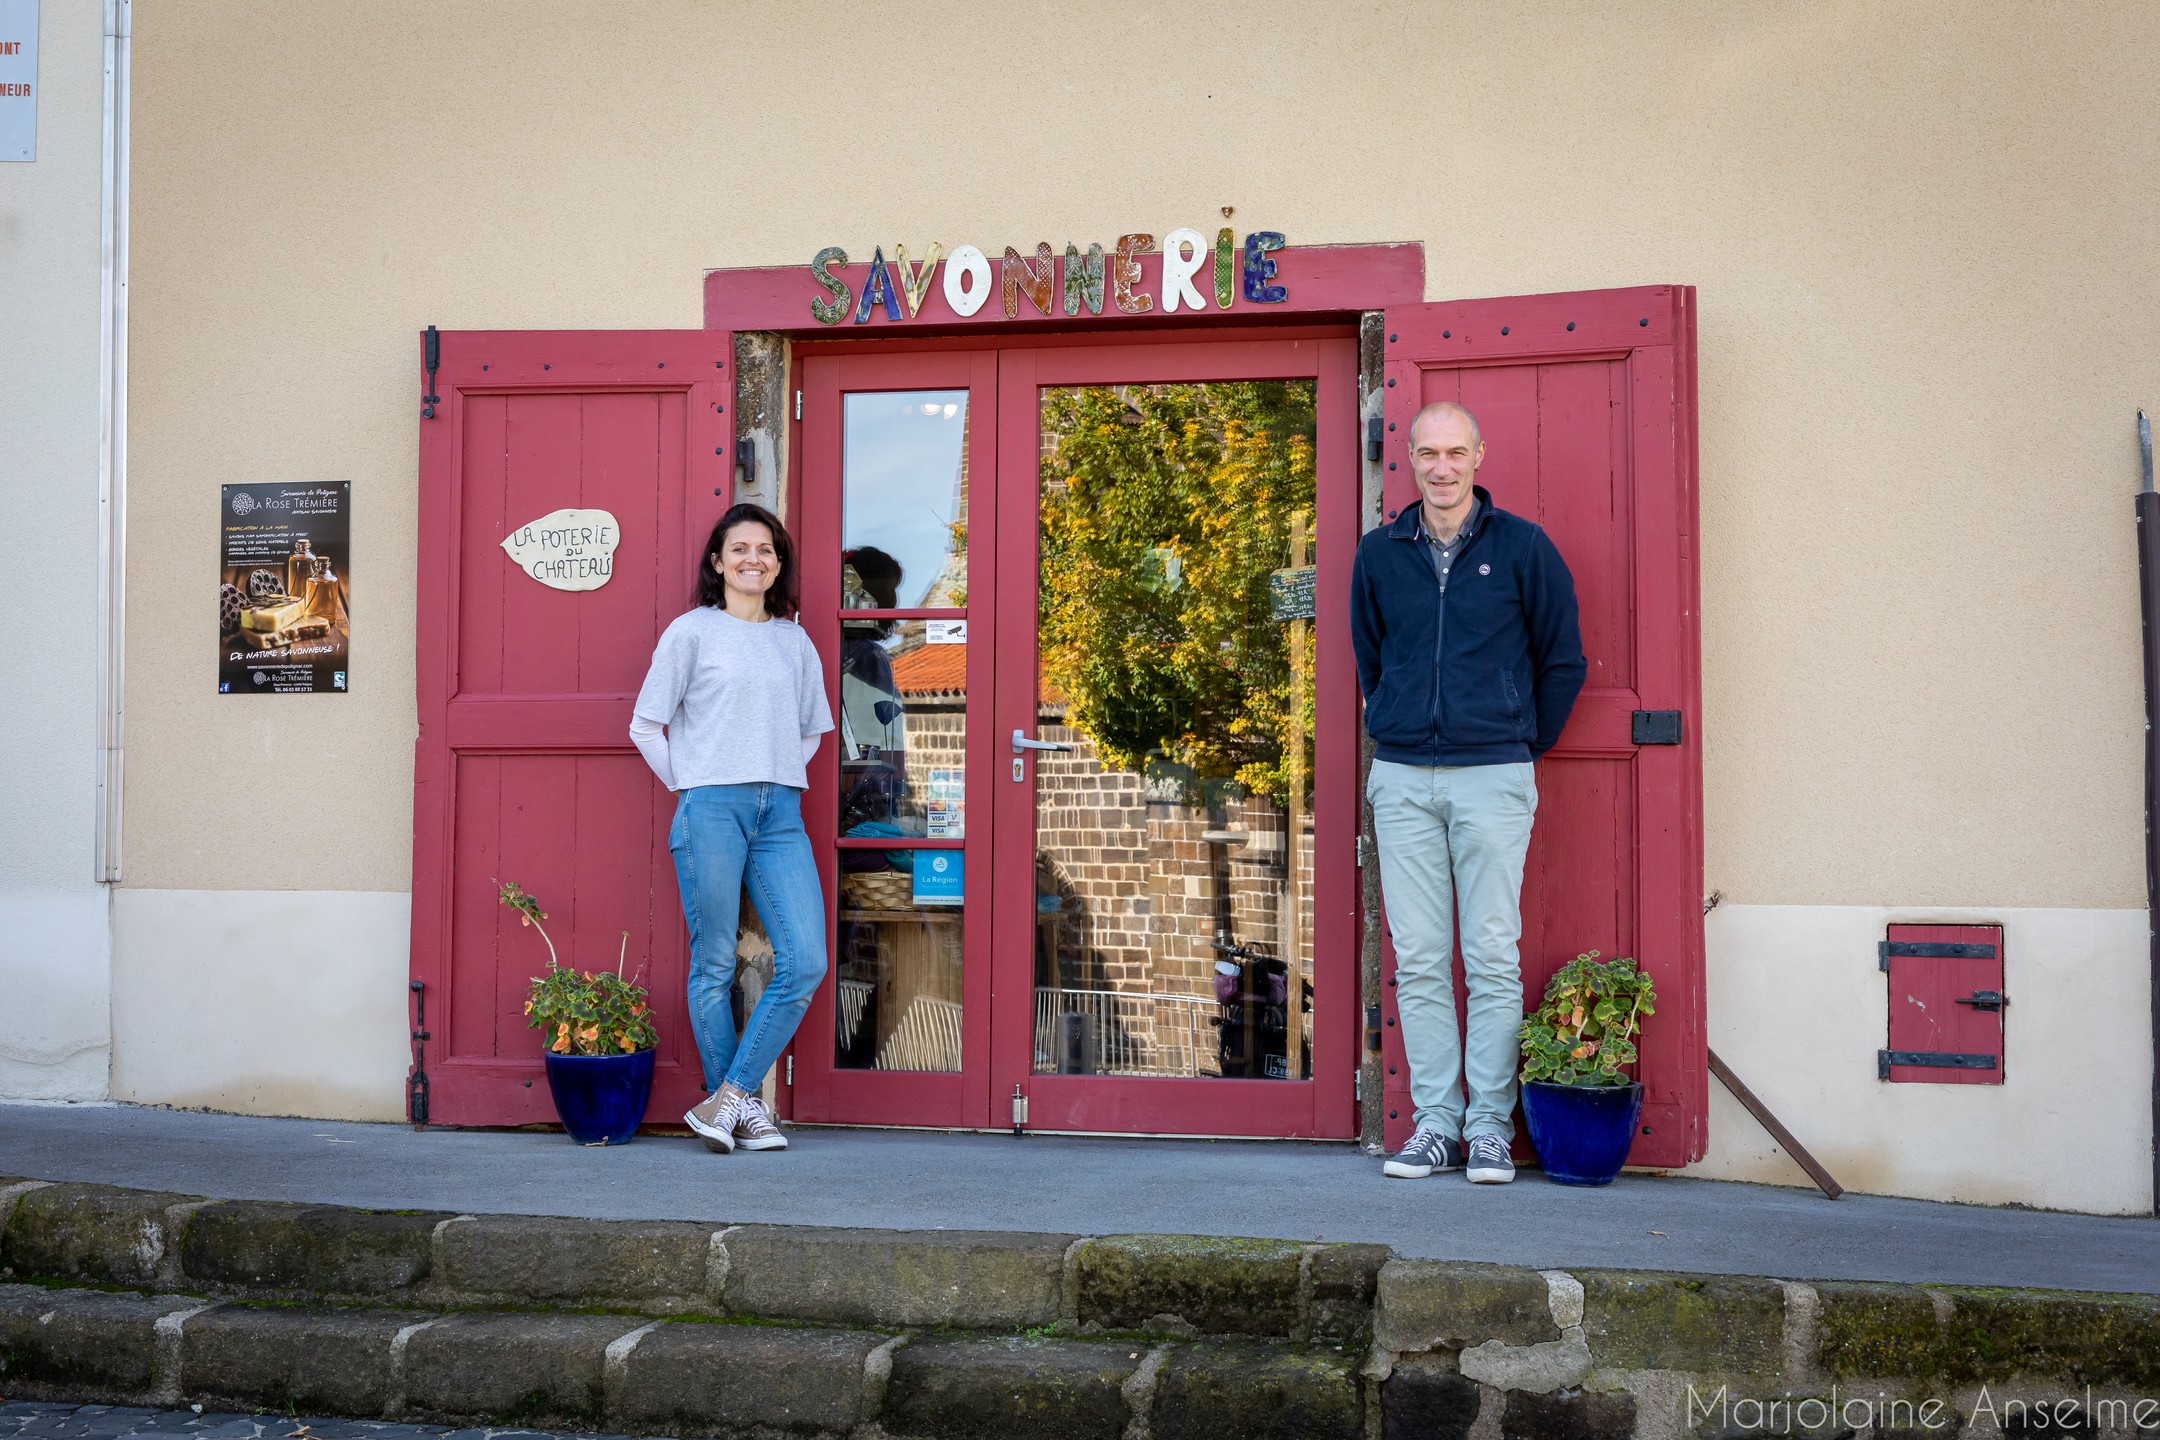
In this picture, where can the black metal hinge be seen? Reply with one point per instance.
(416, 1084)
(1373, 443)
(1935, 1059)
(1657, 727)
(431, 356)
(1929, 950)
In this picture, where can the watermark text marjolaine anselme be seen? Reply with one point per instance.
(1794, 1415)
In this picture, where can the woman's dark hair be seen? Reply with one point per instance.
(780, 598)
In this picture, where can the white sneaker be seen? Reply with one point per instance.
(754, 1128)
(714, 1119)
(1428, 1153)
(1489, 1162)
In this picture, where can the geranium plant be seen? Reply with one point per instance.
(1583, 1033)
(600, 1013)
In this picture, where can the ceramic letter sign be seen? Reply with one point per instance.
(1183, 253)
(567, 549)
(967, 281)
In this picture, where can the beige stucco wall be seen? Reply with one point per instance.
(1922, 235)
(1921, 232)
(53, 1018)
(280, 1002)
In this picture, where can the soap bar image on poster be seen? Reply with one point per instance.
(284, 588)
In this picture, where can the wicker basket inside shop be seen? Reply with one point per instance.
(877, 890)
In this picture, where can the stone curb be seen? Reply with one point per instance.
(1504, 1329)
(669, 1377)
(888, 1279)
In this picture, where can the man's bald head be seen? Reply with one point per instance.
(1448, 408)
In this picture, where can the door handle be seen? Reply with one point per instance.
(1021, 743)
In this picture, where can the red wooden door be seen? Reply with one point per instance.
(523, 768)
(1586, 403)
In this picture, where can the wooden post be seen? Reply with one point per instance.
(1293, 905)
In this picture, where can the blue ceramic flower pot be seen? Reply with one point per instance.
(601, 1098)
(1581, 1132)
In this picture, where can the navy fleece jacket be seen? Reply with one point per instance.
(1495, 683)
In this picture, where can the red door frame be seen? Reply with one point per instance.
(822, 1091)
(1323, 1106)
(997, 1043)
(500, 1088)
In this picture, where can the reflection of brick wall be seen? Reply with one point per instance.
(1091, 839)
(1138, 887)
(1149, 883)
(936, 740)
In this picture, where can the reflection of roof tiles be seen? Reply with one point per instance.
(931, 670)
(942, 670)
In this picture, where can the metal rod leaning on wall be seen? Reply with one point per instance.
(2148, 546)
(1822, 1178)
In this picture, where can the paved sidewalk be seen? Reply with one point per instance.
(912, 1180)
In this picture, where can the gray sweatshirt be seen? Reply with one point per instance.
(743, 702)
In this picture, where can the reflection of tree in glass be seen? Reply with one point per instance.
(1164, 509)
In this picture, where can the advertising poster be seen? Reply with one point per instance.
(284, 588)
(939, 877)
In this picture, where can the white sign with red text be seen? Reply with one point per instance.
(18, 79)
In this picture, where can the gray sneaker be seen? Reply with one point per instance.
(714, 1119)
(1489, 1162)
(754, 1129)
(1428, 1152)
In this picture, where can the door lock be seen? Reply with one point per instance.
(1022, 743)
(1984, 1000)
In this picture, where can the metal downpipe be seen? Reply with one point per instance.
(112, 448)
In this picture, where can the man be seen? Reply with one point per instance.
(1470, 658)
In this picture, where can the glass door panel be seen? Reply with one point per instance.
(1173, 834)
(899, 1034)
(1176, 526)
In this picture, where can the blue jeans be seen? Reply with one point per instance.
(724, 836)
(1452, 839)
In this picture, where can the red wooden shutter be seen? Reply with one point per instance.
(1946, 1005)
(523, 769)
(1587, 406)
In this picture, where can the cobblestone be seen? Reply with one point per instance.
(35, 1420)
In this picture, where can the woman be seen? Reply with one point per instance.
(741, 691)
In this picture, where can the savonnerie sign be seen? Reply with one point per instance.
(1139, 281)
(1195, 274)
